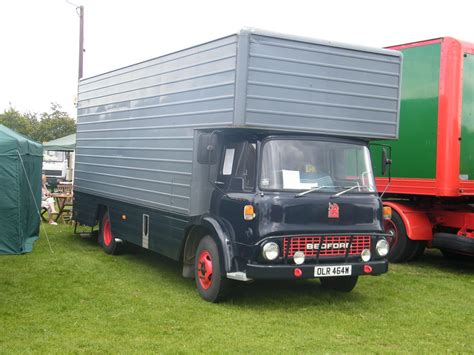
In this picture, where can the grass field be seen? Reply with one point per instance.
(79, 299)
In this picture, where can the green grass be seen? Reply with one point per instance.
(82, 300)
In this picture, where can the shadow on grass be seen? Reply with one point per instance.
(261, 293)
(435, 259)
(289, 295)
(149, 259)
(278, 293)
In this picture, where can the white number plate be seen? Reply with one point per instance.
(332, 270)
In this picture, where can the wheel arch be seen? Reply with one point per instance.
(416, 221)
(194, 233)
(87, 209)
(100, 211)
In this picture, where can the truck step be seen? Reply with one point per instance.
(239, 276)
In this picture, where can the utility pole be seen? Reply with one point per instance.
(81, 39)
(81, 35)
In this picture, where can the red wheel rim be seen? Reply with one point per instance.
(205, 269)
(107, 232)
(391, 228)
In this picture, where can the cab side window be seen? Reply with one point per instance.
(238, 166)
(247, 167)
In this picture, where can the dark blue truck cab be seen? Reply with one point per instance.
(246, 158)
(294, 207)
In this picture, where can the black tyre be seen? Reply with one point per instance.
(401, 247)
(106, 238)
(342, 283)
(210, 283)
(418, 250)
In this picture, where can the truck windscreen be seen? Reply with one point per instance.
(298, 165)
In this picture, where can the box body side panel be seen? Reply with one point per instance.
(467, 121)
(316, 88)
(136, 125)
(414, 154)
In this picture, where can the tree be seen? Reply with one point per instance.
(25, 124)
(54, 124)
(50, 125)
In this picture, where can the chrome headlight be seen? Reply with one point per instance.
(298, 258)
(382, 247)
(270, 251)
(366, 255)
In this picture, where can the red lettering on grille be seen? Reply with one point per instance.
(331, 246)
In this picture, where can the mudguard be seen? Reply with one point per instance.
(223, 237)
(416, 221)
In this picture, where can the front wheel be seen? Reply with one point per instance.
(342, 283)
(210, 283)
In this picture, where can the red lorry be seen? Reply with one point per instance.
(431, 191)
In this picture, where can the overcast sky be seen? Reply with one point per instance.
(39, 57)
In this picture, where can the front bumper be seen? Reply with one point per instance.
(287, 272)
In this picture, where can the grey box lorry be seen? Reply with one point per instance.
(245, 158)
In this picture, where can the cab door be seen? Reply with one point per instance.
(236, 181)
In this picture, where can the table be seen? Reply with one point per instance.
(63, 200)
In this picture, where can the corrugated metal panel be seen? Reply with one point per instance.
(315, 87)
(135, 125)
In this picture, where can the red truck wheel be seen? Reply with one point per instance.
(205, 269)
(106, 238)
(210, 283)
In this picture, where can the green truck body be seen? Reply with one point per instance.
(431, 189)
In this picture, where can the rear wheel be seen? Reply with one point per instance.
(106, 238)
(210, 283)
(342, 283)
(401, 247)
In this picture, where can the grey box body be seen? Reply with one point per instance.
(136, 125)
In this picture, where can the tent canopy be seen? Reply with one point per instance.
(20, 191)
(65, 144)
(11, 143)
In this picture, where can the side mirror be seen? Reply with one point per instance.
(207, 148)
(386, 161)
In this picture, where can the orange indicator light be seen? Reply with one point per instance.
(249, 213)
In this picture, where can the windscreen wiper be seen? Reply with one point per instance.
(312, 190)
(350, 189)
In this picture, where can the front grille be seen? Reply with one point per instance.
(332, 245)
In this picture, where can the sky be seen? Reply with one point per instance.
(40, 38)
